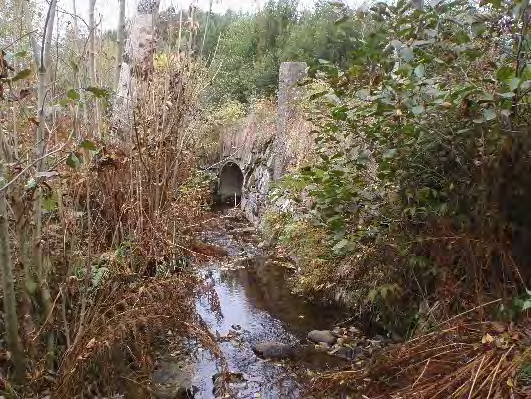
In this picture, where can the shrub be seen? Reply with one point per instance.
(423, 145)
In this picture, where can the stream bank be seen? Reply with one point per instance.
(272, 341)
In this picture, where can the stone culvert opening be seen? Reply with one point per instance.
(230, 183)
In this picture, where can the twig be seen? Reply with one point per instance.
(421, 374)
(17, 40)
(48, 316)
(6, 186)
(496, 370)
(476, 377)
(468, 311)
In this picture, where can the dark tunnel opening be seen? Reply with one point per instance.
(230, 184)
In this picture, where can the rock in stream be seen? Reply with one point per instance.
(322, 336)
(273, 350)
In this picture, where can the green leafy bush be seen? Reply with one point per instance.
(422, 182)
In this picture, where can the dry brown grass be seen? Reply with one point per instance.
(123, 209)
(464, 360)
(115, 353)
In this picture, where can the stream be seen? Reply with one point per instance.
(255, 306)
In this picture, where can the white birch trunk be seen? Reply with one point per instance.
(120, 40)
(92, 66)
(81, 56)
(137, 63)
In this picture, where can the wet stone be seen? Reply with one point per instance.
(323, 347)
(325, 336)
(172, 379)
(343, 352)
(273, 350)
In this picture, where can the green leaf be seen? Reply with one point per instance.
(363, 94)
(494, 3)
(420, 70)
(514, 83)
(64, 102)
(489, 114)
(74, 66)
(478, 28)
(315, 96)
(526, 305)
(73, 160)
(340, 113)
(31, 286)
(418, 109)
(30, 184)
(390, 153)
(88, 145)
(73, 95)
(98, 92)
(340, 245)
(50, 202)
(504, 73)
(485, 97)
(24, 74)
(406, 53)
(21, 54)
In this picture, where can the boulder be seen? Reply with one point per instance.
(325, 336)
(273, 350)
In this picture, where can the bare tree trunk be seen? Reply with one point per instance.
(77, 75)
(8, 286)
(120, 40)
(40, 149)
(137, 63)
(29, 26)
(92, 65)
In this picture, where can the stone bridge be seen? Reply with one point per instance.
(262, 147)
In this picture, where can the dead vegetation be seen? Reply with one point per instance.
(99, 232)
(116, 351)
(463, 359)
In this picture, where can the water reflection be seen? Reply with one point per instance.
(266, 288)
(257, 298)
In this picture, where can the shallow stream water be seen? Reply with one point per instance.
(256, 305)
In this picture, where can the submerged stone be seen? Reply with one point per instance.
(273, 350)
(319, 336)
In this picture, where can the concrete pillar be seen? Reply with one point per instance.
(288, 98)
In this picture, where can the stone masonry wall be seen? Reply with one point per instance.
(269, 141)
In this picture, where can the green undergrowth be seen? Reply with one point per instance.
(416, 208)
